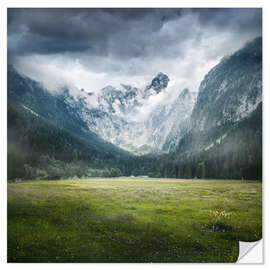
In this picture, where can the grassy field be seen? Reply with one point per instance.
(132, 220)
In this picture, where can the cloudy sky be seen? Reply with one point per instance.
(93, 48)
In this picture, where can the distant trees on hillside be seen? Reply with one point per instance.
(40, 150)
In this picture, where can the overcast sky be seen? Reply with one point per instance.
(93, 48)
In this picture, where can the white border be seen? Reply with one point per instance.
(116, 3)
(132, 3)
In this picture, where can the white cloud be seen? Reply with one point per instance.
(183, 49)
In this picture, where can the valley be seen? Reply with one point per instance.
(134, 135)
(153, 130)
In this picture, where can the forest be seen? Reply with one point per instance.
(37, 149)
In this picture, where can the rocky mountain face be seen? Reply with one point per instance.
(223, 138)
(226, 121)
(168, 123)
(59, 110)
(179, 126)
(159, 83)
(31, 95)
(112, 114)
(231, 90)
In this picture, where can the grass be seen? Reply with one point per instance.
(132, 220)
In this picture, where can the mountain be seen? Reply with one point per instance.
(120, 106)
(123, 101)
(39, 149)
(159, 83)
(108, 118)
(114, 115)
(224, 136)
(31, 94)
(44, 124)
(226, 122)
(231, 90)
(228, 94)
(169, 122)
(216, 133)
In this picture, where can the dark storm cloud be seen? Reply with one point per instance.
(99, 31)
(116, 32)
(244, 19)
(92, 48)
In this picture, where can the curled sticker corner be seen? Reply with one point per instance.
(244, 250)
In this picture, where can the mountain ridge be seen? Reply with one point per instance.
(185, 135)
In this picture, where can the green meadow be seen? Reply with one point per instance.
(132, 220)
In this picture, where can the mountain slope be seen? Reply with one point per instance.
(40, 124)
(224, 136)
(231, 90)
(227, 152)
(226, 122)
(116, 117)
(169, 122)
(54, 108)
(38, 148)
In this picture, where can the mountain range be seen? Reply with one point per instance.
(120, 127)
